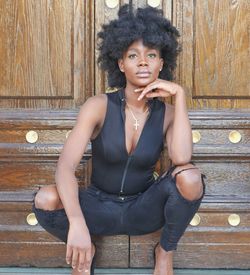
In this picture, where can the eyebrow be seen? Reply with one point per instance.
(134, 49)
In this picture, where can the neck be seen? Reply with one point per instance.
(131, 98)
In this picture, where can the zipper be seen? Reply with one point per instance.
(124, 175)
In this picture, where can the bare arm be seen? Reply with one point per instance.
(179, 134)
(79, 243)
(70, 157)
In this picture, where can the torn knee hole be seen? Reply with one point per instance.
(190, 187)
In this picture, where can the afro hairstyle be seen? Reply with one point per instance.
(147, 24)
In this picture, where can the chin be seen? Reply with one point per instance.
(143, 82)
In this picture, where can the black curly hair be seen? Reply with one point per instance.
(147, 24)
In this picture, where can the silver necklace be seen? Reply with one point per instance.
(136, 120)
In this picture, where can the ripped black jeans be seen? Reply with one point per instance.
(161, 205)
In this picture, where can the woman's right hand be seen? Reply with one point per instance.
(79, 246)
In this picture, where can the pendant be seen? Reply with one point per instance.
(136, 124)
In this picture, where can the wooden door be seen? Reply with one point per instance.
(48, 65)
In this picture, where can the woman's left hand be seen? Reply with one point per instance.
(159, 88)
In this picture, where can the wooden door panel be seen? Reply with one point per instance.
(221, 50)
(37, 49)
(213, 65)
(48, 61)
(47, 54)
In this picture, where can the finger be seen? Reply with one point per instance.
(69, 252)
(74, 258)
(81, 261)
(149, 88)
(138, 90)
(87, 259)
(158, 93)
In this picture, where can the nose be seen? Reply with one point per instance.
(142, 62)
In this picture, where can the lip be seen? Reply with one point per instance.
(143, 73)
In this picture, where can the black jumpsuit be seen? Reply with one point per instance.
(124, 197)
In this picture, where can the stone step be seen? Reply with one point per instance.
(100, 271)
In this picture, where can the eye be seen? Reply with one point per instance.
(152, 55)
(132, 56)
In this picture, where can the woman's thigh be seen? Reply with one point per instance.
(146, 213)
(103, 216)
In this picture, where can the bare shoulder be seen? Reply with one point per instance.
(97, 101)
(94, 107)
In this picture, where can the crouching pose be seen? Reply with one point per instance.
(128, 130)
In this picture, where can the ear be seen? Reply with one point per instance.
(121, 65)
(161, 63)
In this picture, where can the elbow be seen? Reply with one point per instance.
(180, 160)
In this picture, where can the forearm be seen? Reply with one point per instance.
(181, 141)
(67, 187)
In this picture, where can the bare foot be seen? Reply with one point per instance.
(87, 272)
(164, 261)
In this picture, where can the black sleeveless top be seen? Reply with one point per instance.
(113, 169)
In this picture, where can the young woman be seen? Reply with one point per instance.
(128, 130)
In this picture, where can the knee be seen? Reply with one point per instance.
(47, 198)
(189, 182)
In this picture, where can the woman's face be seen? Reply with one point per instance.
(140, 64)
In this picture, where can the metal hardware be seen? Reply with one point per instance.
(32, 137)
(154, 3)
(234, 219)
(196, 220)
(234, 136)
(110, 90)
(121, 198)
(112, 3)
(31, 219)
(155, 175)
(196, 136)
(125, 174)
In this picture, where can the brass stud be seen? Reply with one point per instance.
(196, 220)
(196, 136)
(31, 219)
(32, 136)
(67, 134)
(234, 219)
(234, 136)
(154, 3)
(112, 3)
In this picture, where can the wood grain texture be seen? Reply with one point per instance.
(48, 53)
(215, 53)
(24, 175)
(221, 49)
(49, 63)
(37, 49)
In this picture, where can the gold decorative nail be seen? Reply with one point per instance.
(31, 219)
(234, 219)
(32, 136)
(196, 136)
(154, 3)
(234, 136)
(196, 220)
(112, 3)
